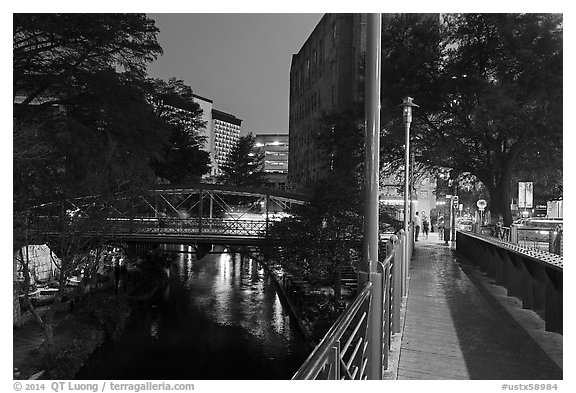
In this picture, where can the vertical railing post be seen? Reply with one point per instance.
(334, 361)
(267, 212)
(403, 265)
(368, 269)
(385, 302)
(210, 211)
(513, 234)
(391, 249)
(399, 257)
(200, 208)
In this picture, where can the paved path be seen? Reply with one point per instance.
(458, 324)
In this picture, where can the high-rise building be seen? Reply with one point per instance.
(222, 132)
(226, 132)
(275, 148)
(206, 105)
(324, 77)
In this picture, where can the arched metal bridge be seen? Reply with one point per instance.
(171, 214)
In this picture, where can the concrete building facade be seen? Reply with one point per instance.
(222, 132)
(324, 78)
(226, 132)
(275, 148)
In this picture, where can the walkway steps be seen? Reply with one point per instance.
(349, 282)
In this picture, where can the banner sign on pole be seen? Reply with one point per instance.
(525, 194)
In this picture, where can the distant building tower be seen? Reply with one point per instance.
(222, 132)
(226, 132)
(275, 148)
(206, 105)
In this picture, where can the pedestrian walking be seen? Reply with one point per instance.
(417, 223)
(441, 228)
(425, 227)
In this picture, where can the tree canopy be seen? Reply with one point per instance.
(82, 124)
(86, 119)
(183, 158)
(321, 238)
(489, 88)
(245, 165)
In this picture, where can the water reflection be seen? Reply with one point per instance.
(219, 318)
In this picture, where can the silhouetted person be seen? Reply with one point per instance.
(417, 224)
(441, 228)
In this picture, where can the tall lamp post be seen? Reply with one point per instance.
(368, 270)
(407, 105)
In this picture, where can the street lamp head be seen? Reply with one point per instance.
(407, 105)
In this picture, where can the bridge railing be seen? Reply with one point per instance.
(211, 226)
(342, 353)
(186, 226)
(533, 276)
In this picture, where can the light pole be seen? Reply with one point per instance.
(368, 270)
(407, 105)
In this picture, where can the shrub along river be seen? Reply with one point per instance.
(219, 317)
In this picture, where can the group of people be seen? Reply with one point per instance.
(421, 222)
(424, 224)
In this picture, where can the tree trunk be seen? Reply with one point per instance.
(49, 318)
(500, 195)
(92, 279)
(499, 190)
(505, 210)
(48, 330)
(26, 273)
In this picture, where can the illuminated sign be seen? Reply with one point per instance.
(525, 194)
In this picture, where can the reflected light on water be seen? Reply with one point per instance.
(224, 267)
(219, 317)
(154, 328)
(234, 290)
(278, 321)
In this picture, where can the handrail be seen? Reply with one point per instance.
(318, 358)
(543, 257)
(355, 328)
(536, 238)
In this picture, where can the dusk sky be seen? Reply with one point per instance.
(240, 61)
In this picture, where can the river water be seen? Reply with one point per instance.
(218, 318)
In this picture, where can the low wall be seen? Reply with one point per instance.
(533, 276)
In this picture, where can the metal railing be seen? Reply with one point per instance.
(212, 226)
(171, 226)
(546, 239)
(502, 233)
(342, 353)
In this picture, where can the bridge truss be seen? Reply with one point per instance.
(202, 212)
